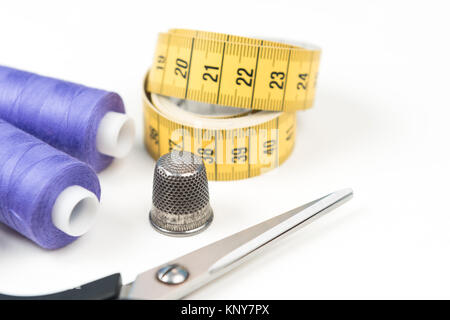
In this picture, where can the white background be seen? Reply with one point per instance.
(379, 125)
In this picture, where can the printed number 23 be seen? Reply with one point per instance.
(278, 80)
(181, 69)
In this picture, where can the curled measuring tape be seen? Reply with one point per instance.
(196, 74)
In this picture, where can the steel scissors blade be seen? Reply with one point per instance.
(185, 274)
(180, 277)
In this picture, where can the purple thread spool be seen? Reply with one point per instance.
(87, 123)
(45, 194)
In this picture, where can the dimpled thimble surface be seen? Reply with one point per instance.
(180, 195)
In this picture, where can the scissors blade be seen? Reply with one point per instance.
(212, 261)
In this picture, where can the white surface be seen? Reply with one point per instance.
(75, 210)
(380, 126)
(115, 134)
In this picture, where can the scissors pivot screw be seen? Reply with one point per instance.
(172, 274)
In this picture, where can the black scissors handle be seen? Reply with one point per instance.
(107, 288)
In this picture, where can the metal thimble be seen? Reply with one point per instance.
(180, 195)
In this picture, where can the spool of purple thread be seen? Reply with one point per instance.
(45, 194)
(87, 123)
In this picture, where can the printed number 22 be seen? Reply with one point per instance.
(244, 73)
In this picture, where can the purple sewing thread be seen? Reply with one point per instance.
(32, 177)
(63, 114)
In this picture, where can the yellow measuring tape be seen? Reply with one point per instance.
(266, 80)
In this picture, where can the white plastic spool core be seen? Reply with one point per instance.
(75, 210)
(115, 135)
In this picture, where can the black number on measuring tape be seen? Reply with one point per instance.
(269, 147)
(210, 76)
(154, 135)
(174, 146)
(302, 84)
(239, 154)
(181, 69)
(289, 133)
(278, 80)
(244, 73)
(206, 154)
(160, 62)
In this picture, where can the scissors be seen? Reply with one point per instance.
(180, 277)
